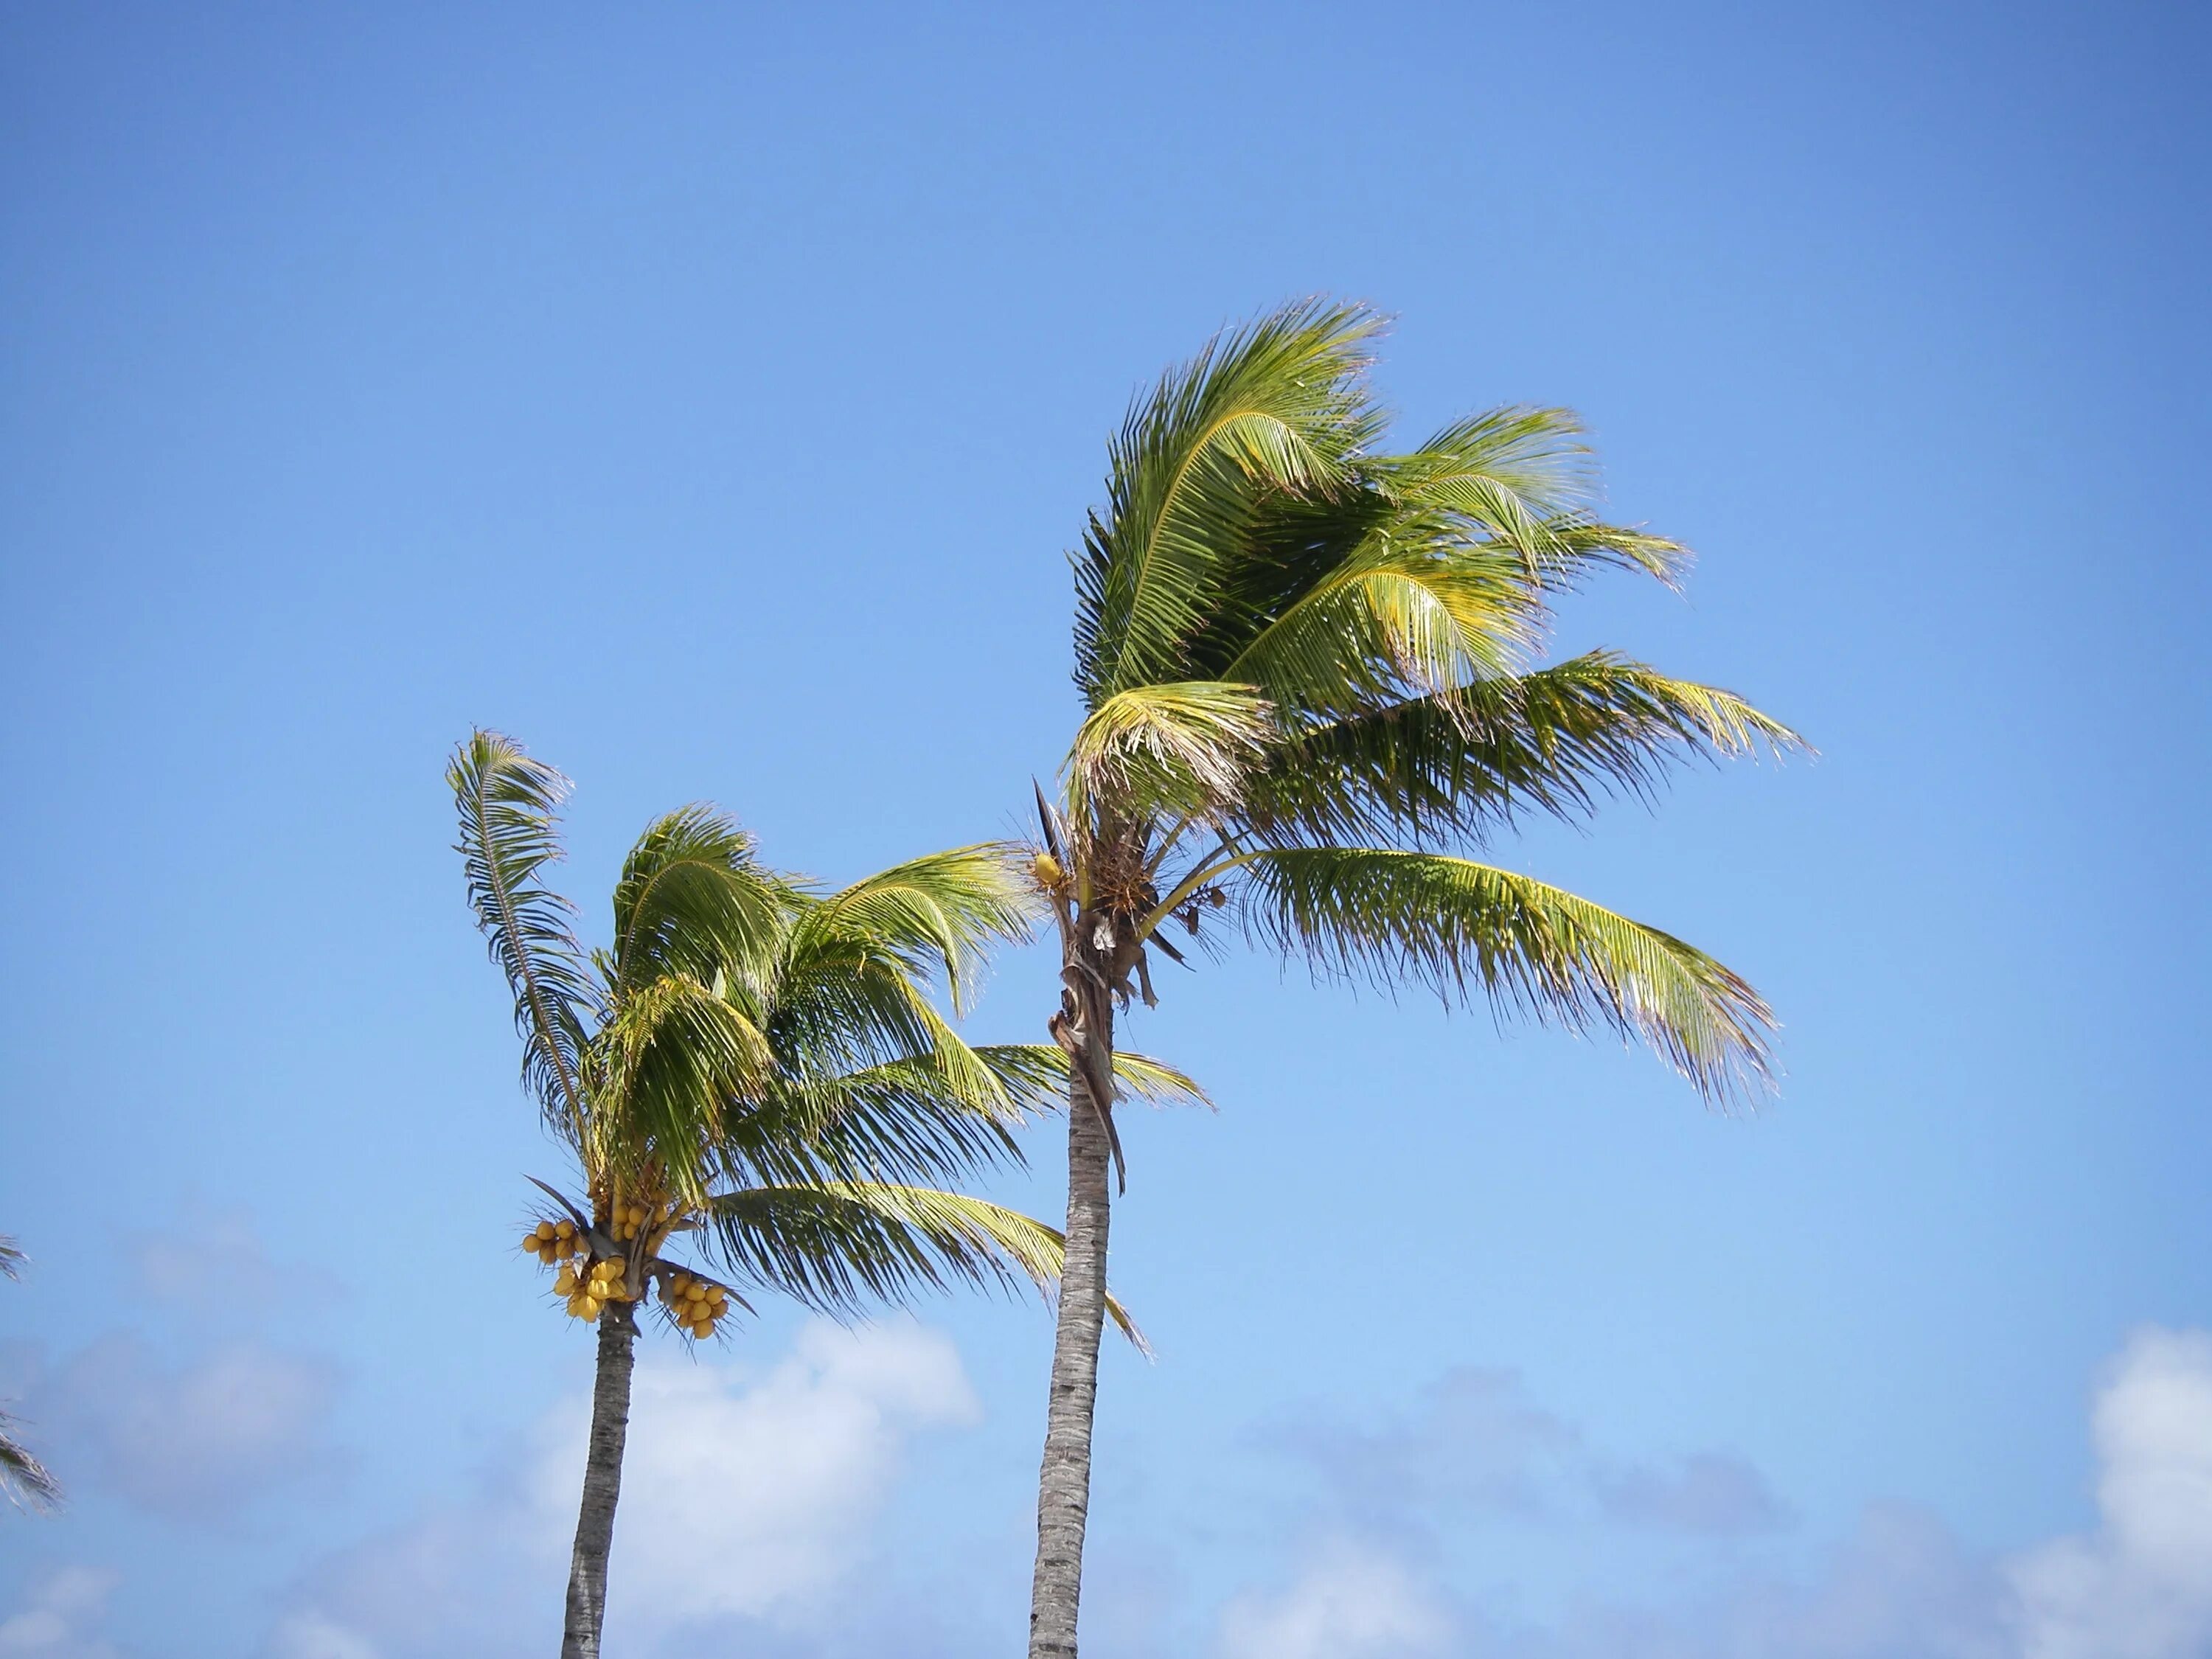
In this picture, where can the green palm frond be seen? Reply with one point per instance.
(1277, 406)
(920, 1117)
(510, 832)
(11, 1258)
(670, 1058)
(1556, 739)
(1576, 544)
(1035, 1073)
(1182, 748)
(836, 1245)
(1415, 609)
(1462, 927)
(695, 899)
(1508, 473)
(931, 915)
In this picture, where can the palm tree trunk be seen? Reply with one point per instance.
(595, 1519)
(1064, 1485)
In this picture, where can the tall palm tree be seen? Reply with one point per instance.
(23, 1478)
(1311, 690)
(756, 1068)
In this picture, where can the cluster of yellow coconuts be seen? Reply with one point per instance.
(553, 1241)
(629, 1220)
(592, 1289)
(693, 1304)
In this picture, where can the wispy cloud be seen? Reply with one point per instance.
(1474, 1442)
(192, 1419)
(1710, 1494)
(213, 1262)
(62, 1617)
(194, 1441)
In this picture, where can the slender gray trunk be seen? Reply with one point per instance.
(1064, 1485)
(595, 1519)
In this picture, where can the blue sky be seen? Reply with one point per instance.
(707, 396)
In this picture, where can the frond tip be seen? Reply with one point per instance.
(509, 808)
(1457, 925)
(28, 1484)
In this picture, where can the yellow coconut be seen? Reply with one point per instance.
(544, 1229)
(564, 1230)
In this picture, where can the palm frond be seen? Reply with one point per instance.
(931, 915)
(1035, 1073)
(1507, 473)
(1556, 739)
(1415, 609)
(25, 1480)
(671, 1056)
(1276, 406)
(695, 899)
(1575, 544)
(510, 832)
(27, 1483)
(1181, 750)
(929, 1116)
(1462, 927)
(836, 1245)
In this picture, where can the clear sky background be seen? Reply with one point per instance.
(707, 396)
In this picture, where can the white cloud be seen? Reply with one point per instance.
(62, 1621)
(1353, 1601)
(747, 1500)
(745, 1495)
(192, 1441)
(2140, 1586)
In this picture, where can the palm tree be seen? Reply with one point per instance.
(1311, 690)
(754, 1066)
(24, 1478)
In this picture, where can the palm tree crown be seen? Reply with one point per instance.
(1311, 688)
(758, 1062)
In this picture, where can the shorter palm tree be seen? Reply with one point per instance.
(23, 1477)
(755, 1069)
